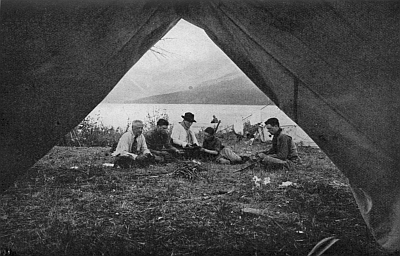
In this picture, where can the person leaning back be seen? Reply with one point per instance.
(283, 152)
(213, 149)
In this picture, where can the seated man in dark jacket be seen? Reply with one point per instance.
(158, 142)
(213, 149)
(283, 152)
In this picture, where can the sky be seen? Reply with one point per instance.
(187, 57)
(183, 44)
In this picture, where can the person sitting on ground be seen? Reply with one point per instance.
(283, 152)
(213, 149)
(214, 120)
(132, 148)
(158, 141)
(183, 137)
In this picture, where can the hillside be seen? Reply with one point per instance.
(232, 90)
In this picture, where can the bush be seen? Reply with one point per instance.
(150, 121)
(248, 128)
(91, 133)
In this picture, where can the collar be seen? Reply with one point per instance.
(184, 126)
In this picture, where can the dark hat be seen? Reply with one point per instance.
(189, 117)
(210, 130)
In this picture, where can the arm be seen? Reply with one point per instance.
(124, 145)
(212, 152)
(150, 140)
(143, 146)
(176, 135)
(167, 144)
(194, 137)
(283, 148)
(212, 147)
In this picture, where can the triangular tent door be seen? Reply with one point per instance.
(331, 66)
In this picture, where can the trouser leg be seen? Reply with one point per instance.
(163, 156)
(272, 162)
(123, 161)
(230, 155)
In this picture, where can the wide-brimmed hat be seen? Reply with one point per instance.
(189, 117)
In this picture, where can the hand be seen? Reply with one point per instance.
(149, 155)
(202, 149)
(140, 158)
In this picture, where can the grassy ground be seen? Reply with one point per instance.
(91, 209)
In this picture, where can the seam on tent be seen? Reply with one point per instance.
(302, 82)
(137, 31)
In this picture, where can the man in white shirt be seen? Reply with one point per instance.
(132, 147)
(183, 137)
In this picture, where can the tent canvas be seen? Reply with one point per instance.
(332, 66)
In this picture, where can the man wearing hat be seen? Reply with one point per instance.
(132, 147)
(182, 136)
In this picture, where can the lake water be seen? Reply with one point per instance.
(231, 116)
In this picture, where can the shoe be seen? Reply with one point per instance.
(224, 161)
(244, 159)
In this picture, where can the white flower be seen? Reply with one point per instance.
(267, 180)
(257, 181)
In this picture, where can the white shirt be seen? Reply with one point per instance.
(179, 135)
(125, 144)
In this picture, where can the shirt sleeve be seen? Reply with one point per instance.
(149, 138)
(167, 141)
(194, 137)
(214, 145)
(176, 134)
(283, 147)
(143, 145)
(123, 146)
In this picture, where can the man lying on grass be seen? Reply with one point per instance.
(158, 141)
(213, 149)
(132, 148)
(283, 152)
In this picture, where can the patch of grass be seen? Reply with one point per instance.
(70, 204)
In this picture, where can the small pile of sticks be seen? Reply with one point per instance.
(191, 170)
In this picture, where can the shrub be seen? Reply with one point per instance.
(91, 132)
(150, 121)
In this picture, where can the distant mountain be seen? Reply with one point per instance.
(233, 89)
(139, 83)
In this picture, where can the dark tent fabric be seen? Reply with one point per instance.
(332, 66)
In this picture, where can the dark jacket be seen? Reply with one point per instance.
(214, 144)
(283, 147)
(158, 140)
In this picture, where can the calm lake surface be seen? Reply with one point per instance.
(118, 115)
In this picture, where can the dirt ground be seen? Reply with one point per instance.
(71, 204)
